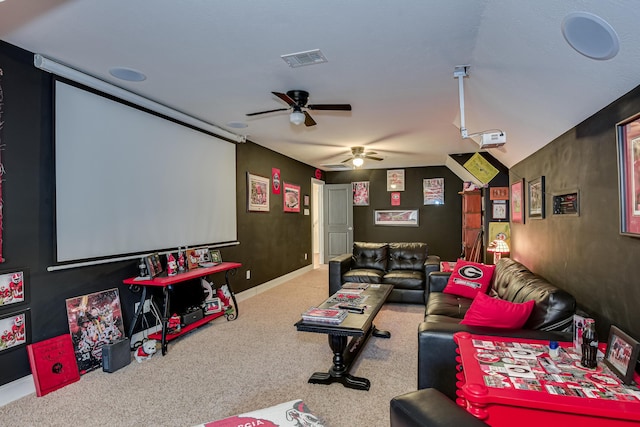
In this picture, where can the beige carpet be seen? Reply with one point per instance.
(227, 368)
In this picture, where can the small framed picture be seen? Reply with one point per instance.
(517, 202)
(16, 330)
(536, 198)
(154, 266)
(213, 305)
(395, 180)
(216, 258)
(499, 193)
(197, 256)
(360, 193)
(499, 209)
(291, 198)
(622, 354)
(258, 193)
(14, 287)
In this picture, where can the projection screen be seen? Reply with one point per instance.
(128, 181)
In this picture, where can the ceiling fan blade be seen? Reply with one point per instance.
(366, 156)
(308, 120)
(347, 160)
(268, 111)
(286, 98)
(334, 107)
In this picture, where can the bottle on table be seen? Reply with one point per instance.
(589, 345)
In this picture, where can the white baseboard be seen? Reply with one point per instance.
(272, 283)
(25, 385)
(17, 389)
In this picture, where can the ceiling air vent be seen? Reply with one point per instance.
(300, 59)
(338, 167)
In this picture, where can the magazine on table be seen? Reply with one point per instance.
(351, 285)
(324, 315)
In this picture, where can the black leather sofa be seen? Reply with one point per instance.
(551, 318)
(429, 408)
(406, 266)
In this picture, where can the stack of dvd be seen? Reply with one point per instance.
(324, 315)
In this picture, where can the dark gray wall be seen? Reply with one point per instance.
(439, 226)
(585, 255)
(272, 244)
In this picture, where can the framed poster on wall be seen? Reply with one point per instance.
(257, 193)
(536, 198)
(628, 143)
(291, 198)
(517, 202)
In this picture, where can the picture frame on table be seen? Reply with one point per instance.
(257, 193)
(628, 147)
(215, 256)
(622, 354)
(14, 288)
(154, 265)
(197, 256)
(517, 202)
(213, 305)
(402, 218)
(15, 330)
(535, 199)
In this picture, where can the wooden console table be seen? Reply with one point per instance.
(166, 283)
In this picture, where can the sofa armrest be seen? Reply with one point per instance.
(431, 264)
(337, 267)
(437, 281)
(437, 364)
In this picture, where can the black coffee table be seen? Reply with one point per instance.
(359, 327)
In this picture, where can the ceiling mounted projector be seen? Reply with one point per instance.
(491, 138)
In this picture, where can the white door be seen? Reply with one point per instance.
(317, 235)
(338, 220)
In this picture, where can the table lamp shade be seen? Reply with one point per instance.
(498, 247)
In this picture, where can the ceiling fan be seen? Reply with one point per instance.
(358, 155)
(297, 100)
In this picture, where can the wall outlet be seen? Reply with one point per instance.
(248, 274)
(145, 308)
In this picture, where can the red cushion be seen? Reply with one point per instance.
(469, 278)
(497, 313)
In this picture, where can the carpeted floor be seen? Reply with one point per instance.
(228, 368)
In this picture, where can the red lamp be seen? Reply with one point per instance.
(498, 247)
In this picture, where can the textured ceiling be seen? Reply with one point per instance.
(393, 61)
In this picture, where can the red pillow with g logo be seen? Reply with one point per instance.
(469, 278)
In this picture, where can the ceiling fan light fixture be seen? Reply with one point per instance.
(358, 161)
(296, 117)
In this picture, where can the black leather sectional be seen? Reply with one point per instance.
(406, 266)
(551, 318)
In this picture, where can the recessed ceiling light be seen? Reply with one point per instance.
(237, 125)
(128, 74)
(590, 35)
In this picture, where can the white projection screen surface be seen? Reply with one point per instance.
(129, 182)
